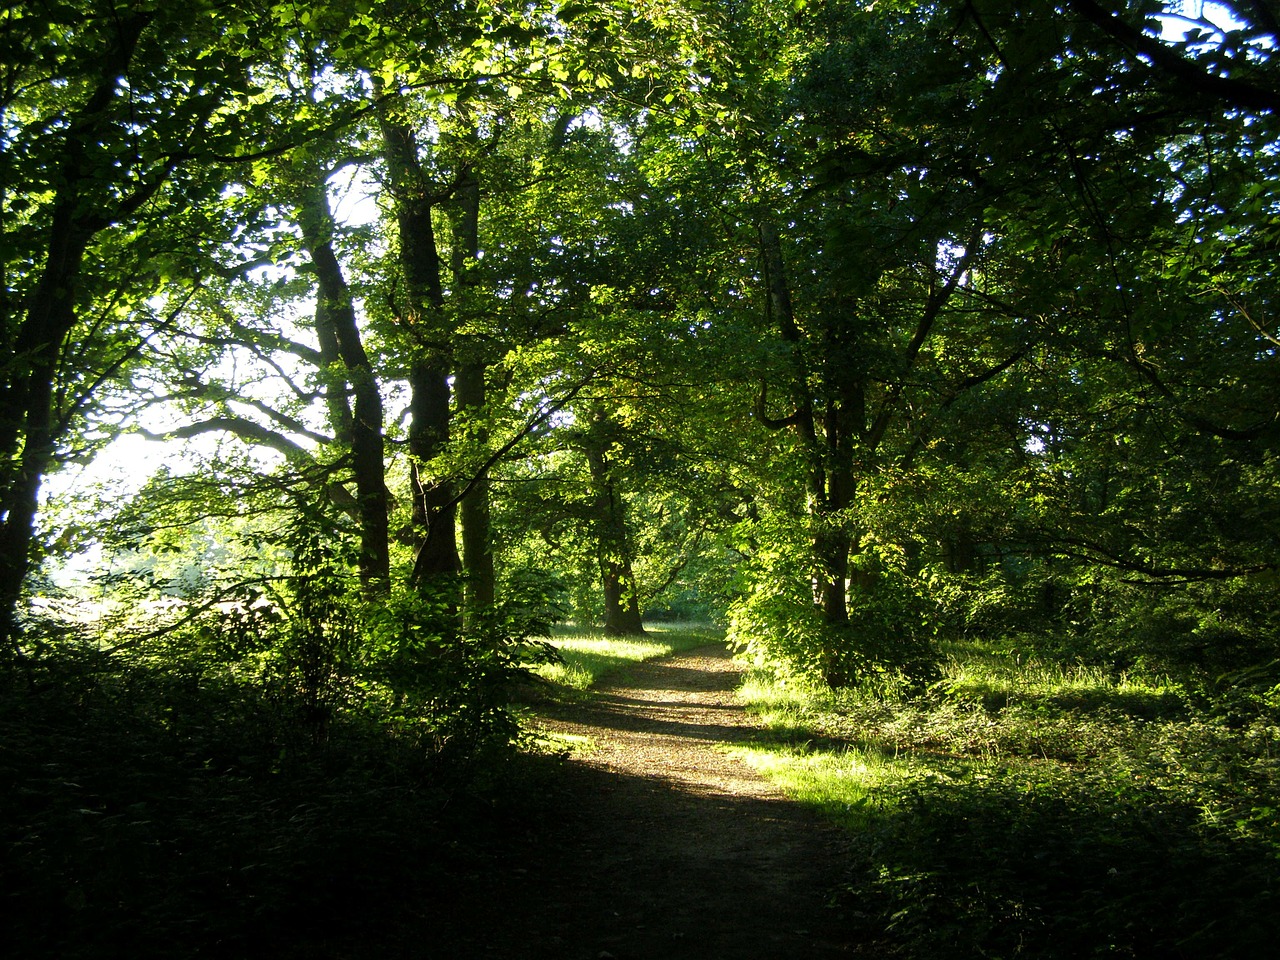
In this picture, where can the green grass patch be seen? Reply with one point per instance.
(999, 681)
(845, 784)
(587, 655)
(1038, 809)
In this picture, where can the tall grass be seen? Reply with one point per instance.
(1038, 808)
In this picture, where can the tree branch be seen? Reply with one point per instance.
(761, 411)
(1228, 90)
(246, 430)
(544, 414)
(932, 309)
(1082, 549)
(968, 383)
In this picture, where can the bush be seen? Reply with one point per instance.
(458, 682)
(270, 777)
(1037, 865)
(888, 640)
(155, 810)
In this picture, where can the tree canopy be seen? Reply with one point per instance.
(837, 322)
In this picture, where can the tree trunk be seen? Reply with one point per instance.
(434, 512)
(828, 456)
(361, 429)
(27, 433)
(842, 424)
(479, 576)
(831, 548)
(621, 605)
(613, 546)
(21, 494)
(477, 546)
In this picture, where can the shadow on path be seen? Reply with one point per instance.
(665, 847)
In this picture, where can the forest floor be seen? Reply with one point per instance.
(659, 844)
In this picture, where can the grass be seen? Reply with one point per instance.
(1038, 809)
(588, 655)
(999, 681)
(842, 783)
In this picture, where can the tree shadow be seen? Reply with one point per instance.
(635, 866)
(611, 712)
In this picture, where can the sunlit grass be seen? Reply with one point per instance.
(984, 708)
(566, 743)
(844, 784)
(784, 707)
(588, 655)
(1002, 681)
(1023, 805)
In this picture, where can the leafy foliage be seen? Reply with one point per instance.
(285, 759)
(165, 804)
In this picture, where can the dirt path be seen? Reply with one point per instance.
(669, 849)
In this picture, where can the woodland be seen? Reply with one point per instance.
(886, 338)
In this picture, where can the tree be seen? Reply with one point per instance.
(110, 126)
(946, 251)
(358, 426)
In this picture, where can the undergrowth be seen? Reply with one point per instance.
(1039, 809)
(185, 798)
(195, 796)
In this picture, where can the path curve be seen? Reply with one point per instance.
(671, 849)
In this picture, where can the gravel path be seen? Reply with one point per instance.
(670, 849)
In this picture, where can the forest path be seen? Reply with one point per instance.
(667, 848)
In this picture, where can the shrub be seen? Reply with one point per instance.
(887, 641)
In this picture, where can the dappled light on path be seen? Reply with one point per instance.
(662, 720)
